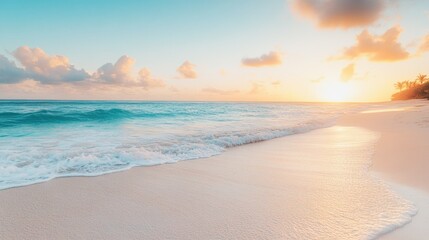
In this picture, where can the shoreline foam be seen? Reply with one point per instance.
(399, 157)
(65, 139)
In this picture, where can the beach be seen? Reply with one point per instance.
(401, 157)
(363, 178)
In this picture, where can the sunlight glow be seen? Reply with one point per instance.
(337, 91)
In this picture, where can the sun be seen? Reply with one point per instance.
(337, 91)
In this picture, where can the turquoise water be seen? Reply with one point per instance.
(41, 140)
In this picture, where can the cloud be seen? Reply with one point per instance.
(48, 69)
(118, 73)
(383, 48)
(424, 47)
(270, 59)
(147, 81)
(219, 91)
(45, 69)
(10, 73)
(121, 73)
(187, 70)
(348, 72)
(340, 13)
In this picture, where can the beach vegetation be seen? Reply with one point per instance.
(415, 89)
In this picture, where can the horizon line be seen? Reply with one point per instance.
(214, 101)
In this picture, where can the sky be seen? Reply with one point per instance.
(223, 50)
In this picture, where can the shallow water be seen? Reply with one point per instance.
(41, 140)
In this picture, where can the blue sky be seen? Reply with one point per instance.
(93, 32)
(214, 36)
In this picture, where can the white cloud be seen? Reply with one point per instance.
(121, 73)
(377, 48)
(270, 59)
(48, 69)
(45, 69)
(146, 80)
(187, 70)
(10, 73)
(118, 73)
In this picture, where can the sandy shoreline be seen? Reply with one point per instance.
(140, 202)
(404, 133)
(401, 156)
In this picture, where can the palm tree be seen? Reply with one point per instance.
(407, 84)
(422, 78)
(400, 85)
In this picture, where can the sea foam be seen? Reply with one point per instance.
(42, 140)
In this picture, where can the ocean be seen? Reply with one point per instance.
(42, 140)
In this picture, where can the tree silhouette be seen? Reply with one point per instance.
(400, 86)
(417, 89)
(422, 78)
(407, 84)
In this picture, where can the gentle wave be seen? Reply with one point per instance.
(89, 159)
(41, 141)
(13, 119)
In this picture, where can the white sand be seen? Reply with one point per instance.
(418, 228)
(241, 194)
(402, 151)
(402, 155)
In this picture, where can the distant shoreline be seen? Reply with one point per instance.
(417, 89)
